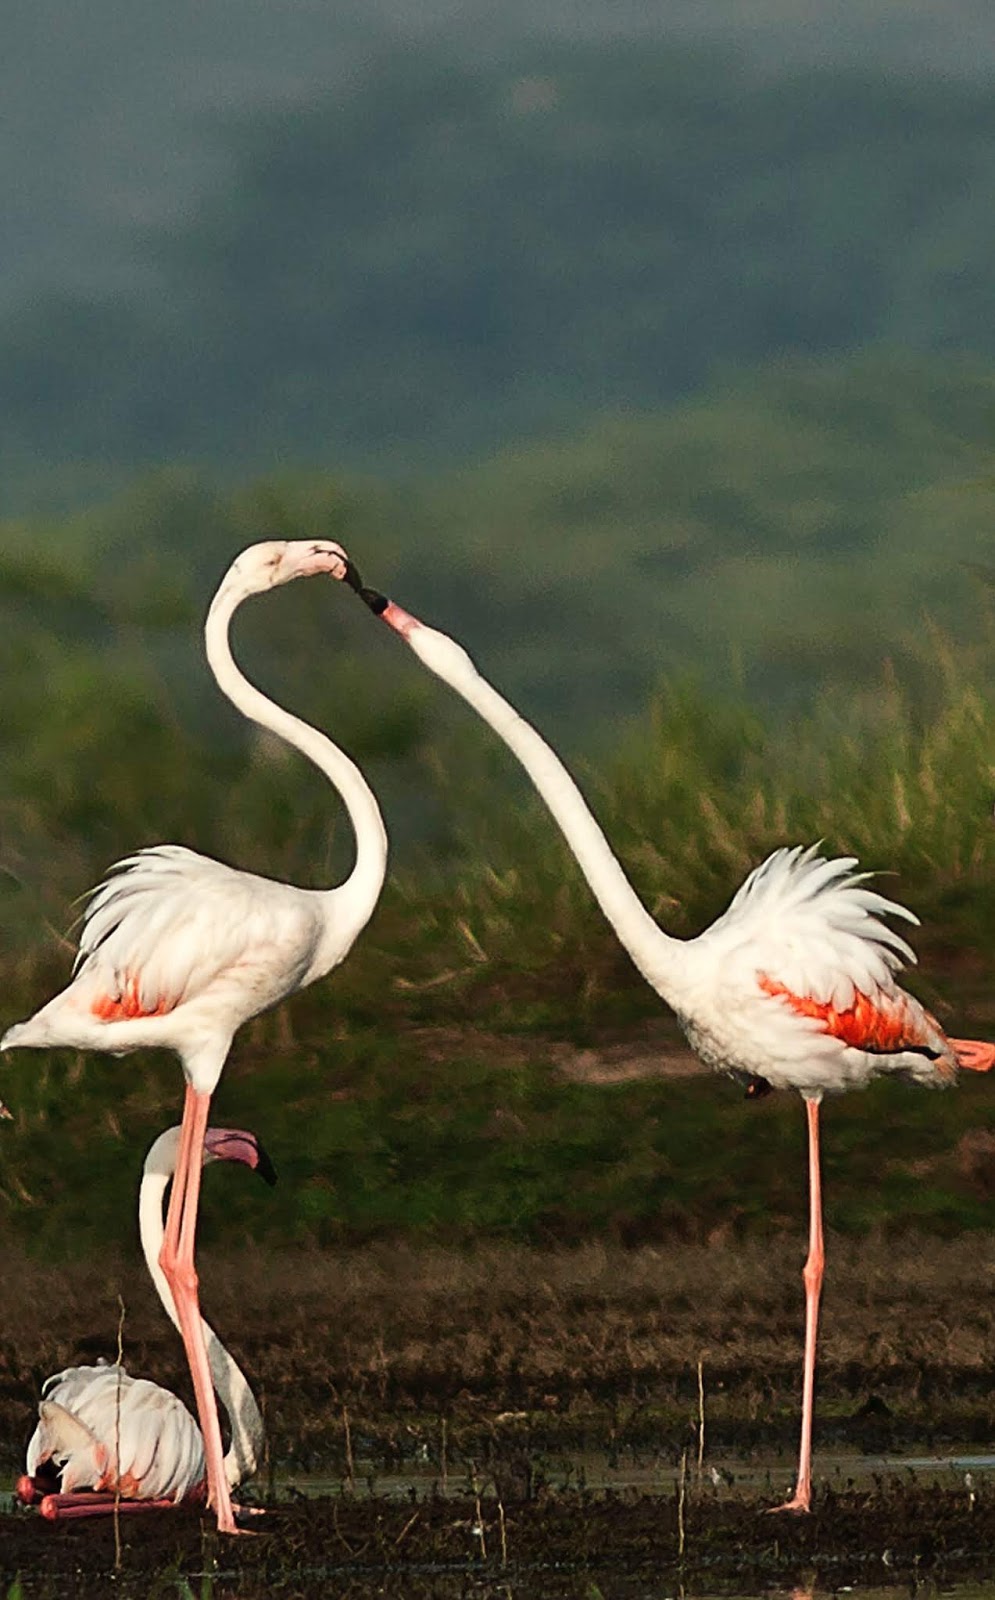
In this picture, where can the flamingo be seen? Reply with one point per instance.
(793, 986)
(114, 1440)
(177, 950)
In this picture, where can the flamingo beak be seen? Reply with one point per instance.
(234, 1144)
(376, 601)
(352, 577)
(6, 1115)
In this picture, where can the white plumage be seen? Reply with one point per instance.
(178, 950)
(795, 983)
(103, 1431)
(793, 986)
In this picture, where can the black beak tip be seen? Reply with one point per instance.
(265, 1167)
(376, 601)
(352, 577)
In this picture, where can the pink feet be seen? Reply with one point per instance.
(101, 1503)
(799, 1504)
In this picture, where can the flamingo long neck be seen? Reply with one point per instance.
(362, 888)
(658, 956)
(247, 1433)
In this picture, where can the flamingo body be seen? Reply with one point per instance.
(178, 950)
(104, 1430)
(117, 1437)
(793, 986)
(795, 983)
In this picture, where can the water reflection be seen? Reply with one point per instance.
(353, 1540)
(597, 1472)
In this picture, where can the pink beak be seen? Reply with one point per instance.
(235, 1144)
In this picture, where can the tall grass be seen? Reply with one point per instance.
(418, 1090)
(490, 902)
(697, 794)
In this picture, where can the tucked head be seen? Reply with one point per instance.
(220, 1144)
(235, 1144)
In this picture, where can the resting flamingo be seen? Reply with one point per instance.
(109, 1439)
(177, 950)
(792, 987)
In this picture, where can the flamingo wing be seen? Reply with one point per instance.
(808, 936)
(104, 1429)
(167, 923)
(815, 926)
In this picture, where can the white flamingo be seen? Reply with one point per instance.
(177, 950)
(792, 987)
(109, 1439)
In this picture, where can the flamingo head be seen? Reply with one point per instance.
(277, 561)
(235, 1144)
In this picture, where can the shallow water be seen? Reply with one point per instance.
(599, 1530)
(595, 1472)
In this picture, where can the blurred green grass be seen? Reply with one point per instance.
(420, 1091)
(371, 1142)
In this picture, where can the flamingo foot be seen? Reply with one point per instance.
(798, 1505)
(246, 1533)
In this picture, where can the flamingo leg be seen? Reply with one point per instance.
(177, 1262)
(801, 1500)
(96, 1503)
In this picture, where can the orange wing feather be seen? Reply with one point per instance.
(881, 1026)
(127, 1004)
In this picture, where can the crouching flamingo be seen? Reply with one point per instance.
(794, 986)
(110, 1440)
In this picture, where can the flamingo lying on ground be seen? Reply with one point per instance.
(792, 987)
(177, 950)
(109, 1439)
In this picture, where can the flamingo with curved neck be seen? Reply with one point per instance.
(120, 1441)
(178, 950)
(794, 986)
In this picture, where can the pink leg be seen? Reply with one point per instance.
(96, 1503)
(812, 1275)
(177, 1261)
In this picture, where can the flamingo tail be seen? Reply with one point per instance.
(974, 1054)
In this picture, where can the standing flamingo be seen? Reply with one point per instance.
(792, 987)
(125, 1441)
(177, 950)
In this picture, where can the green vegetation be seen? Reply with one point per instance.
(387, 1113)
(827, 675)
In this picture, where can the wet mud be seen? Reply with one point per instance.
(574, 1544)
(527, 1424)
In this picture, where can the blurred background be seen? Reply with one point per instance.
(649, 350)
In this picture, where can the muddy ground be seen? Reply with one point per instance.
(568, 1546)
(412, 1381)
